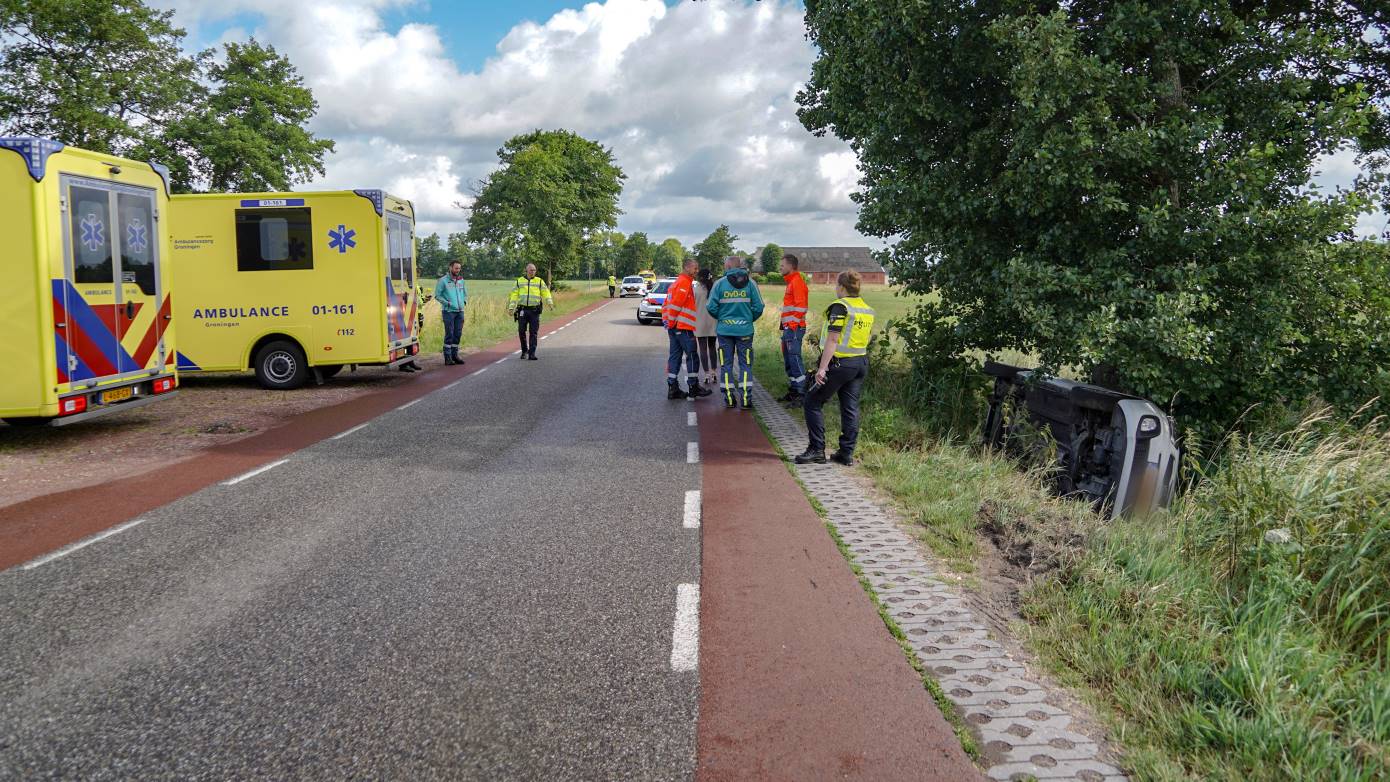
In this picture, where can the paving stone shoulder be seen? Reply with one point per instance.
(1022, 734)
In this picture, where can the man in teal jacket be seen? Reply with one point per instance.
(452, 294)
(736, 305)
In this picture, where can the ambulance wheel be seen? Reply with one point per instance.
(280, 366)
(329, 370)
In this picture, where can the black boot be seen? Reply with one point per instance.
(794, 400)
(840, 457)
(748, 403)
(524, 356)
(449, 360)
(810, 457)
(533, 356)
(673, 391)
(697, 390)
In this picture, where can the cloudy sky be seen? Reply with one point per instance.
(696, 99)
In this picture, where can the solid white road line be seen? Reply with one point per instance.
(692, 453)
(254, 473)
(690, 418)
(685, 638)
(451, 385)
(71, 547)
(484, 369)
(408, 404)
(692, 509)
(357, 428)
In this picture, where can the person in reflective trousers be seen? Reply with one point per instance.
(612, 285)
(678, 313)
(528, 297)
(844, 363)
(736, 305)
(794, 305)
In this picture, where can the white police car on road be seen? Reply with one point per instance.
(632, 285)
(649, 308)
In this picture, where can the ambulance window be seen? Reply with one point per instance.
(137, 237)
(91, 236)
(273, 240)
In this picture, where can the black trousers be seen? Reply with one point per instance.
(844, 378)
(528, 318)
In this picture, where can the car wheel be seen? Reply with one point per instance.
(641, 321)
(280, 366)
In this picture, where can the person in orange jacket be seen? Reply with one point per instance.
(795, 303)
(678, 313)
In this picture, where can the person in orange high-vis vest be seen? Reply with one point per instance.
(678, 313)
(794, 306)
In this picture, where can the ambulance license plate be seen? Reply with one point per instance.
(117, 395)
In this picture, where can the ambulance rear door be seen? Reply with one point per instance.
(402, 299)
(110, 316)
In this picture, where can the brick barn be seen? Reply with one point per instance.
(824, 264)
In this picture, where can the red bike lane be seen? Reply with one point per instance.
(799, 677)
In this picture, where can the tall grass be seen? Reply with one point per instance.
(1227, 652)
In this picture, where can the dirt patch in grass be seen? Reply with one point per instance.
(209, 410)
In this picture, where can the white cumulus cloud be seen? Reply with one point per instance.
(697, 101)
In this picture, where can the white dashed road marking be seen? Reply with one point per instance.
(692, 453)
(690, 418)
(254, 473)
(408, 404)
(85, 542)
(357, 428)
(484, 369)
(692, 509)
(451, 385)
(685, 638)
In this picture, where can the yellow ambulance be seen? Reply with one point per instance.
(86, 307)
(294, 286)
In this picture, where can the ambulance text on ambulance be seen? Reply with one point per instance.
(228, 313)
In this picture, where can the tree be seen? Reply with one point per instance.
(771, 258)
(430, 258)
(554, 190)
(104, 76)
(636, 254)
(601, 252)
(249, 133)
(112, 77)
(669, 256)
(1114, 185)
(713, 249)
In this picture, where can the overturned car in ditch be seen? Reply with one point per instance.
(1117, 450)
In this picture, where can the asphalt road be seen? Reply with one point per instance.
(481, 585)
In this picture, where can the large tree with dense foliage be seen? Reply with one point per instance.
(713, 249)
(248, 132)
(1118, 185)
(553, 191)
(636, 254)
(112, 77)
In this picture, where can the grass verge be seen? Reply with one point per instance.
(487, 322)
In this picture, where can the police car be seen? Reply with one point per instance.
(632, 285)
(649, 308)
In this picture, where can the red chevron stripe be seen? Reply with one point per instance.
(83, 345)
(151, 339)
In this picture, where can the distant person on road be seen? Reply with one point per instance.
(704, 330)
(679, 314)
(612, 286)
(794, 306)
(736, 305)
(528, 297)
(452, 294)
(843, 366)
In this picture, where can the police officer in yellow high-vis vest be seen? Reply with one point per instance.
(844, 363)
(525, 303)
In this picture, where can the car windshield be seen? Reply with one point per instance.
(633, 279)
(661, 287)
